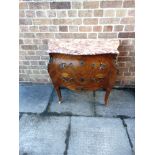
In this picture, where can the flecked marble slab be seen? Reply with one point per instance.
(83, 46)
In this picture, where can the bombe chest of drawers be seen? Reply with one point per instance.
(83, 64)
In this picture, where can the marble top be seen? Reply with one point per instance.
(83, 46)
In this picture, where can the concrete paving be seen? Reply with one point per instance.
(42, 135)
(34, 98)
(121, 102)
(131, 130)
(84, 125)
(99, 136)
(74, 103)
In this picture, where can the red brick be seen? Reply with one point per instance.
(53, 28)
(85, 13)
(61, 14)
(109, 21)
(107, 35)
(129, 4)
(20, 41)
(45, 57)
(34, 57)
(51, 13)
(109, 13)
(73, 28)
(127, 74)
(21, 14)
(107, 28)
(34, 29)
(72, 13)
(123, 54)
(23, 5)
(29, 47)
(92, 35)
(44, 35)
(30, 52)
(37, 41)
(40, 13)
(118, 28)
(132, 54)
(38, 5)
(85, 28)
(131, 13)
(123, 69)
(76, 5)
(90, 21)
(29, 35)
(124, 59)
(26, 63)
(98, 13)
(121, 13)
(77, 21)
(63, 28)
(25, 22)
(41, 52)
(28, 41)
(90, 5)
(42, 21)
(129, 28)
(132, 69)
(43, 28)
(60, 5)
(30, 13)
(63, 35)
(121, 64)
(126, 35)
(125, 42)
(62, 21)
(24, 28)
(80, 35)
(111, 4)
(127, 20)
(126, 48)
(97, 28)
(43, 47)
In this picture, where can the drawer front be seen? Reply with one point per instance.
(80, 72)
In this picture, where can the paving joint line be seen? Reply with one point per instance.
(94, 103)
(125, 126)
(68, 132)
(20, 115)
(47, 109)
(70, 114)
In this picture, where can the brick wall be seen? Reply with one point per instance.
(41, 20)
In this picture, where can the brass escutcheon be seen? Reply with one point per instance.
(62, 65)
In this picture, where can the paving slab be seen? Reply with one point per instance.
(98, 136)
(42, 135)
(131, 130)
(34, 98)
(74, 103)
(121, 102)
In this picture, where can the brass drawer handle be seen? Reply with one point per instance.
(102, 66)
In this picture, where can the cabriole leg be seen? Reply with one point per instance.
(59, 94)
(107, 96)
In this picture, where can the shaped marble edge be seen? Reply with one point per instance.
(71, 46)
